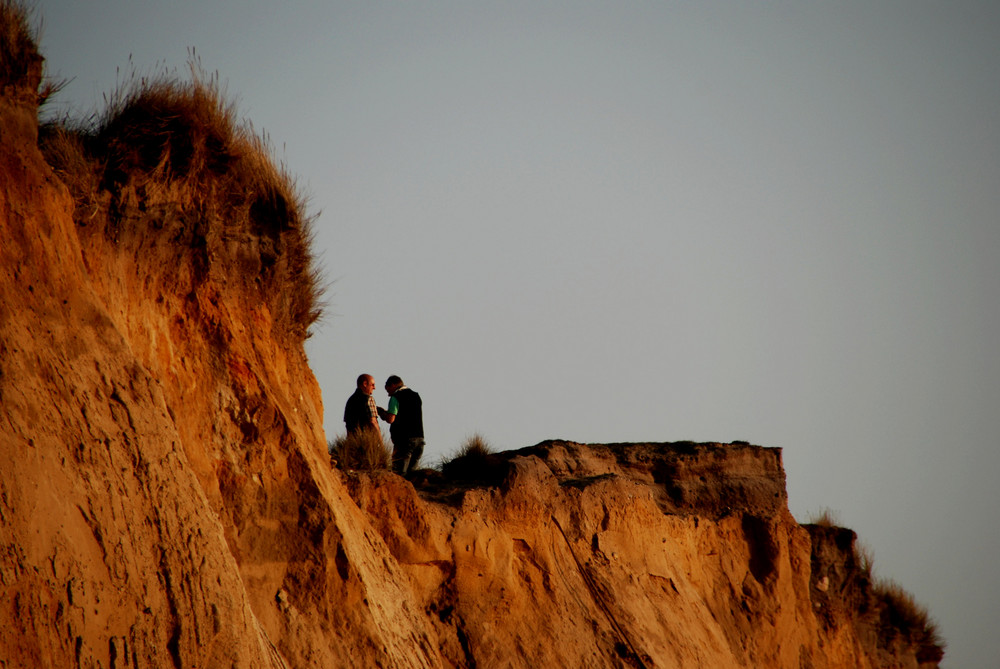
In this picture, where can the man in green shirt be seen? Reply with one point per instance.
(405, 417)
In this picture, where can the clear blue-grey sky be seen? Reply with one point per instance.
(776, 222)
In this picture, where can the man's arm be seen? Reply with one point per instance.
(389, 415)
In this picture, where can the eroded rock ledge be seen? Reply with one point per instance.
(707, 479)
(667, 555)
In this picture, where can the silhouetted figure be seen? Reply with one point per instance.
(405, 416)
(361, 412)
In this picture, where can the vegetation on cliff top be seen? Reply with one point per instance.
(167, 149)
(470, 461)
(364, 450)
(878, 603)
(21, 64)
(19, 56)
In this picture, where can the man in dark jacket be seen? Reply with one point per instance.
(405, 415)
(360, 413)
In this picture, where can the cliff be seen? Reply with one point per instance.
(166, 498)
(649, 555)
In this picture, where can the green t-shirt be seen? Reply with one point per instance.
(393, 406)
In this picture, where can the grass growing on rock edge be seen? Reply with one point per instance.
(470, 460)
(19, 57)
(173, 142)
(21, 65)
(898, 616)
(364, 450)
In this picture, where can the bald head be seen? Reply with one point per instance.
(366, 383)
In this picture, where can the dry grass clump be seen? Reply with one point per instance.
(470, 461)
(63, 146)
(475, 446)
(363, 450)
(825, 518)
(865, 560)
(884, 612)
(900, 616)
(183, 129)
(21, 65)
(172, 145)
(20, 62)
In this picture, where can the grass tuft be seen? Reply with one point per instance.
(902, 616)
(62, 144)
(825, 518)
(182, 129)
(20, 62)
(167, 144)
(470, 461)
(21, 65)
(865, 560)
(364, 450)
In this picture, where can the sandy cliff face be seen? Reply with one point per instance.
(110, 551)
(649, 555)
(166, 498)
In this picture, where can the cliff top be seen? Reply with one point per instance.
(709, 479)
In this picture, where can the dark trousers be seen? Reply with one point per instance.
(406, 454)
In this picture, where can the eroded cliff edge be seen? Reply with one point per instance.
(648, 555)
(166, 498)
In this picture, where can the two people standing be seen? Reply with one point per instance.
(404, 415)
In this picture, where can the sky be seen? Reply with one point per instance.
(775, 222)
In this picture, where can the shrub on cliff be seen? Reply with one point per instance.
(897, 615)
(364, 450)
(887, 614)
(470, 461)
(825, 518)
(171, 152)
(900, 616)
(20, 63)
(19, 57)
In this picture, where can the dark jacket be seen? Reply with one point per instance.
(409, 422)
(357, 413)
